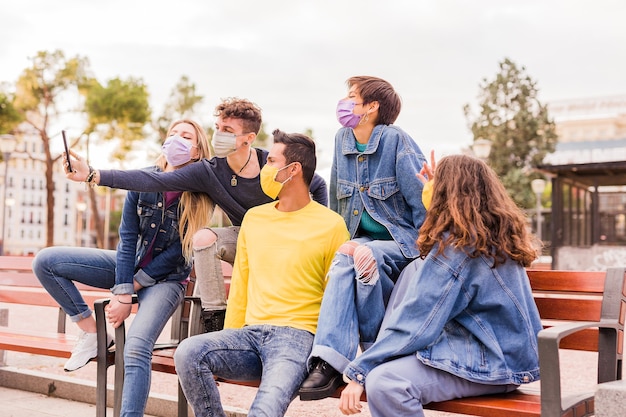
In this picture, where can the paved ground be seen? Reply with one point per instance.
(579, 374)
(17, 403)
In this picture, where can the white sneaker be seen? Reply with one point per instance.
(86, 349)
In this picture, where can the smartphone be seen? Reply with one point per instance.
(67, 152)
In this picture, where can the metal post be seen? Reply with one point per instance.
(538, 186)
(5, 158)
(539, 216)
(7, 146)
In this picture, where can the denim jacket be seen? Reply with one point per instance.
(457, 314)
(381, 180)
(145, 218)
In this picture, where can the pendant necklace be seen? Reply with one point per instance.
(233, 180)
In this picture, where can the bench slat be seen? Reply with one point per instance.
(511, 404)
(49, 344)
(580, 281)
(22, 263)
(40, 297)
(568, 309)
(19, 278)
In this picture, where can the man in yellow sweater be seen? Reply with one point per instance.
(284, 251)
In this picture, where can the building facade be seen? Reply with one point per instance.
(588, 171)
(589, 130)
(25, 205)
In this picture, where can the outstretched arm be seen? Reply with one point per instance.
(198, 177)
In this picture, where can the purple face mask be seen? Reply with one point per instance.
(345, 116)
(177, 150)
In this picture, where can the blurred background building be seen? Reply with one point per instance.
(23, 189)
(586, 223)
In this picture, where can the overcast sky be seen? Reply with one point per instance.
(292, 57)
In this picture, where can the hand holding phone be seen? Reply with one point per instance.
(67, 152)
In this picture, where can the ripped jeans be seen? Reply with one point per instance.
(207, 261)
(352, 311)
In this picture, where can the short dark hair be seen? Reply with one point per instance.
(298, 148)
(376, 89)
(240, 108)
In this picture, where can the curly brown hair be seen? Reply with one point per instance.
(240, 108)
(472, 211)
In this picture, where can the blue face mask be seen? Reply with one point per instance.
(177, 150)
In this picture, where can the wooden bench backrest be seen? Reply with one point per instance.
(563, 296)
(19, 285)
(18, 271)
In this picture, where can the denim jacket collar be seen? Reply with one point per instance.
(348, 145)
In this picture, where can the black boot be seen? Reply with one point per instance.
(322, 382)
(213, 320)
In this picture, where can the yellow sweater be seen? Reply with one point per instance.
(281, 265)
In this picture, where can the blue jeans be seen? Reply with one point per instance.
(351, 311)
(399, 388)
(57, 268)
(275, 354)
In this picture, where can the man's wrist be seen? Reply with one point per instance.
(124, 298)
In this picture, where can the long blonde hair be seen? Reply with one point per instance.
(471, 210)
(195, 209)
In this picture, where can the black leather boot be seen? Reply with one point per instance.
(322, 382)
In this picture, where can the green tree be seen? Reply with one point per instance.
(42, 95)
(120, 110)
(182, 103)
(518, 126)
(262, 139)
(10, 117)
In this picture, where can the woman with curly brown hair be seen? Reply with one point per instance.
(462, 320)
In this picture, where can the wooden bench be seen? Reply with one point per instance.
(581, 311)
(19, 285)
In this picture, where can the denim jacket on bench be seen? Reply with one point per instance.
(457, 314)
(145, 218)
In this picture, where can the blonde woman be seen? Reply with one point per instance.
(153, 260)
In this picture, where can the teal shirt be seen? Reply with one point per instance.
(368, 226)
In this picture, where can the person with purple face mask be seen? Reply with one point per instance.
(153, 260)
(373, 187)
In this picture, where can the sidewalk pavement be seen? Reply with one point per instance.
(37, 373)
(17, 403)
(44, 376)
